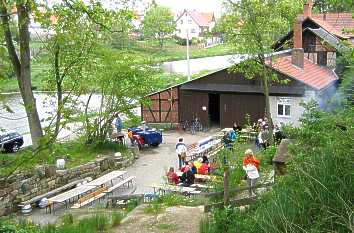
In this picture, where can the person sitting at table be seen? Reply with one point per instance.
(172, 176)
(229, 138)
(204, 169)
(205, 159)
(198, 163)
(183, 168)
(192, 167)
(236, 127)
(187, 177)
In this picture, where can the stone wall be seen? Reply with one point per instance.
(23, 186)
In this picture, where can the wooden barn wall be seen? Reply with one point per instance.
(234, 107)
(225, 78)
(163, 107)
(191, 106)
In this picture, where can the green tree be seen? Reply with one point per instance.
(21, 59)
(333, 5)
(158, 23)
(252, 26)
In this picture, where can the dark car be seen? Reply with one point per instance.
(11, 141)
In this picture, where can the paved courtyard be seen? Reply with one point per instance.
(153, 163)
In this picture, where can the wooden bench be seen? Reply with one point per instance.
(52, 192)
(201, 187)
(127, 181)
(91, 197)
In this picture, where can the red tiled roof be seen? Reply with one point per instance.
(199, 18)
(334, 23)
(313, 75)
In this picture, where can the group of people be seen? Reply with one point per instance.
(188, 169)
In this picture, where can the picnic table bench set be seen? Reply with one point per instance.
(85, 192)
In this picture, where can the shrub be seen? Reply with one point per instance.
(117, 218)
(67, 219)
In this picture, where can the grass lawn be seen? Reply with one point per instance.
(172, 51)
(75, 152)
(145, 49)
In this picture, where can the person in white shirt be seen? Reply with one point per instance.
(181, 150)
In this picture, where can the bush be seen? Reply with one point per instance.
(317, 193)
(67, 219)
(117, 218)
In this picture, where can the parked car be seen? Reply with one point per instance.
(11, 141)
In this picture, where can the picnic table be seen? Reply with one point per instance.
(65, 197)
(79, 191)
(109, 177)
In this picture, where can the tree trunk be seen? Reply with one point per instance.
(266, 95)
(25, 79)
(22, 66)
(58, 81)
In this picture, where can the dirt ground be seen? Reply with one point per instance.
(176, 219)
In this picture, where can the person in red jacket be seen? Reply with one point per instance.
(251, 167)
(172, 176)
(204, 169)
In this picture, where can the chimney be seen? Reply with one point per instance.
(308, 8)
(297, 55)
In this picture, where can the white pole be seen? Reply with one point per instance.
(188, 62)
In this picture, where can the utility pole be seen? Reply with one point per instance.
(188, 62)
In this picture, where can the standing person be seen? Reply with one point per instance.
(251, 167)
(181, 150)
(119, 124)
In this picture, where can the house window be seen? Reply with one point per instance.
(189, 21)
(284, 107)
(193, 30)
(181, 21)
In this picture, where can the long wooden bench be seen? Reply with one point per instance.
(91, 197)
(122, 183)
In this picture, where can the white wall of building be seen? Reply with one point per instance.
(296, 110)
(187, 23)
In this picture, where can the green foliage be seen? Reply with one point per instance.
(153, 208)
(117, 218)
(67, 219)
(316, 195)
(158, 23)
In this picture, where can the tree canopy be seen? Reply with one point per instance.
(158, 23)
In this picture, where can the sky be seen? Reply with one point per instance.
(199, 5)
(175, 5)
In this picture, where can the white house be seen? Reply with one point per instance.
(196, 23)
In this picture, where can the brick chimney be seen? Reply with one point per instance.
(297, 55)
(308, 8)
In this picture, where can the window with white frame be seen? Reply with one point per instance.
(181, 21)
(284, 107)
(192, 30)
(189, 21)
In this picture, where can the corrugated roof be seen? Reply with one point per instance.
(313, 75)
(329, 38)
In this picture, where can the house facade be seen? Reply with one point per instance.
(222, 98)
(195, 23)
